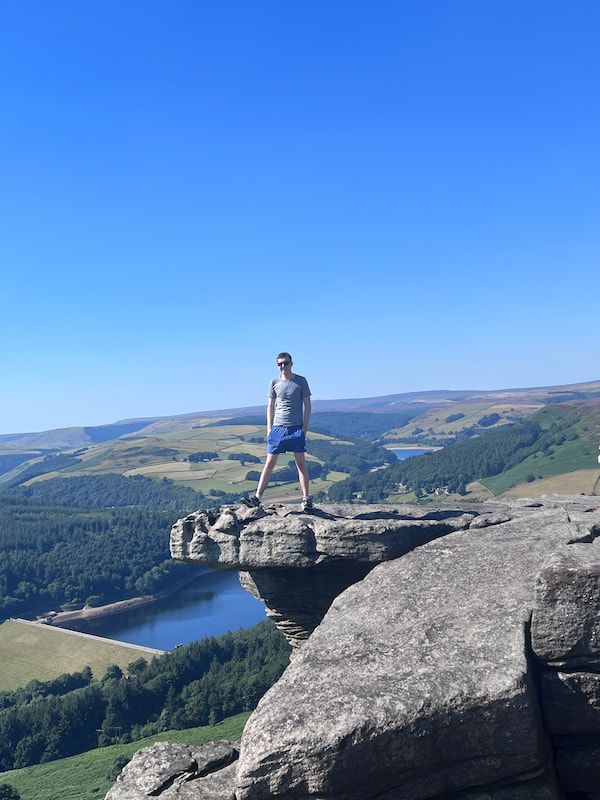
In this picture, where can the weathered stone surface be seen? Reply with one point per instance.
(544, 787)
(416, 683)
(179, 771)
(297, 563)
(297, 600)
(565, 625)
(419, 683)
(240, 538)
(571, 702)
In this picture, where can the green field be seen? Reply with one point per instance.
(433, 422)
(83, 777)
(37, 652)
(570, 456)
(165, 456)
(582, 481)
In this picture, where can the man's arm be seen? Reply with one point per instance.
(270, 414)
(307, 410)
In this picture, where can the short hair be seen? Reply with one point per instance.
(283, 355)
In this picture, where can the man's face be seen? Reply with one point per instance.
(284, 363)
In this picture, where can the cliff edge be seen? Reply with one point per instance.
(447, 652)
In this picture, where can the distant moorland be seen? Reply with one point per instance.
(204, 459)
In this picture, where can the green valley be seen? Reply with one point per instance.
(203, 460)
(88, 523)
(560, 439)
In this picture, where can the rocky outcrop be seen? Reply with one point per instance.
(297, 563)
(465, 664)
(565, 635)
(181, 771)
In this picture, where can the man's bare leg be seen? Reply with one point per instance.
(302, 472)
(266, 473)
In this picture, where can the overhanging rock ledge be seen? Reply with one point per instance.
(452, 653)
(297, 563)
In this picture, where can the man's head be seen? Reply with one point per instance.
(284, 362)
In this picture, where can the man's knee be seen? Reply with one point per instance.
(301, 463)
(270, 463)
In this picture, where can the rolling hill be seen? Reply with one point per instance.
(165, 449)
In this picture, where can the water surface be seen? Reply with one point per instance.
(211, 606)
(402, 454)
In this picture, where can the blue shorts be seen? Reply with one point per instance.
(286, 439)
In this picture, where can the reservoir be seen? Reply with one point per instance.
(210, 606)
(409, 452)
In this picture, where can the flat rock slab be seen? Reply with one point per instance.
(417, 684)
(282, 536)
(179, 772)
(297, 563)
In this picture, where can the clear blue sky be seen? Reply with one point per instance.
(404, 195)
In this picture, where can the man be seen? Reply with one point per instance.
(288, 414)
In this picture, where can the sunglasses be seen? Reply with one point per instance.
(283, 363)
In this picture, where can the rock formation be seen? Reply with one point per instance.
(449, 653)
(298, 563)
(565, 636)
(179, 771)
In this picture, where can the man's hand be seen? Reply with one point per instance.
(307, 410)
(270, 415)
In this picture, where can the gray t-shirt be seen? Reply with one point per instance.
(289, 399)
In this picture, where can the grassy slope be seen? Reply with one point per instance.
(573, 455)
(568, 467)
(32, 652)
(163, 457)
(83, 777)
(567, 458)
(582, 481)
(433, 422)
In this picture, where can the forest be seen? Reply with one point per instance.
(356, 458)
(52, 554)
(199, 684)
(112, 490)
